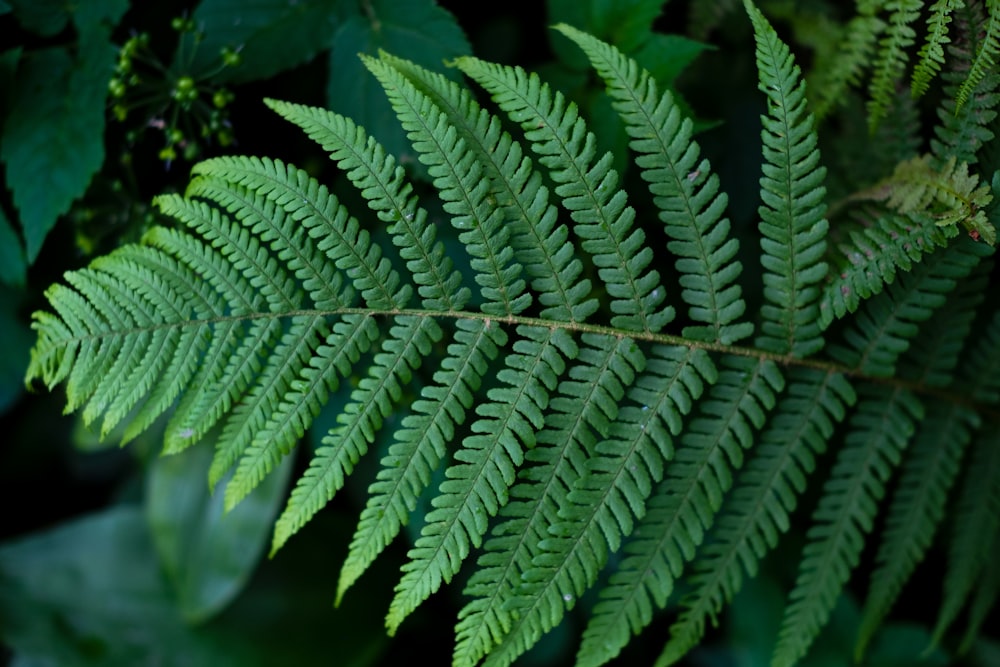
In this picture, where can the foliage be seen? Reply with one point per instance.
(526, 329)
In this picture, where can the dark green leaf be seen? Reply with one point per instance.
(270, 35)
(53, 140)
(91, 592)
(417, 30)
(209, 555)
(44, 17)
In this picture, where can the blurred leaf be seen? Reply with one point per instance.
(53, 139)
(416, 30)
(49, 17)
(43, 17)
(625, 23)
(4, 7)
(903, 645)
(91, 592)
(12, 266)
(270, 35)
(208, 554)
(666, 56)
(15, 340)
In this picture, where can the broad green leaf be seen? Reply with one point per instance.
(42, 17)
(627, 24)
(209, 555)
(91, 592)
(270, 35)
(49, 17)
(53, 140)
(417, 30)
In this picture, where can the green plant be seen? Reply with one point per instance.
(581, 400)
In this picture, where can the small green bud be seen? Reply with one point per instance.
(222, 98)
(116, 88)
(230, 57)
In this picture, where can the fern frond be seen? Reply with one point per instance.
(917, 508)
(986, 56)
(458, 176)
(883, 329)
(964, 130)
(381, 182)
(932, 465)
(975, 526)
(949, 194)
(375, 397)
(986, 595)
(879, 431)
(173, 352)
(527, 590)
(883, 246)
(830, 81)
(539, 245)
(478, 483)
(589, 190)
(930, 58)
(764, 495)
(684, 504)
(890, 62)
(685, 190)
(317, 213)
(793, 229)
(672, 379)
(419, 448)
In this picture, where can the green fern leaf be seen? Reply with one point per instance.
(976, 523)
(891, 59)
(883, 246)
(374, 399)
(965, 129)
(683, 505)
(685, 192)
(916, 510)
(880, 430)
(764, 495)
(381, 182)
(830, 81)
(672, 380)
(477, 486)
(932, 465)
(539, 245)
(931, 55)
(986, 595)
(793, 229)
(539, 585)
(458, 178)
(589, 190)
(420, 447)
(986, 56)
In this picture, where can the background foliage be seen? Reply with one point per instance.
(122, 557)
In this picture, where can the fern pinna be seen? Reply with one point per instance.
(576, 398)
